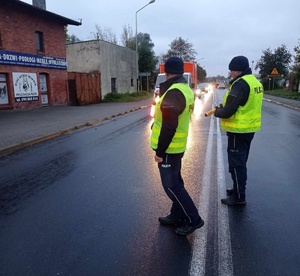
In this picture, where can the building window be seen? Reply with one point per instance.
(3, 90)
(43, 88)
(43, 83)
(132, 84)
(39, 41)
(114, 85)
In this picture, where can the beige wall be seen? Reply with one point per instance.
(112, 61)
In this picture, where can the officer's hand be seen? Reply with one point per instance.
(158, 159)
(216, 109)
(218, 106)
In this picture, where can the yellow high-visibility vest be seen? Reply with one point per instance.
(248, 117)
(178, 143)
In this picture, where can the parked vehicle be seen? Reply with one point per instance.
(222, 86)
(204, 87)
(190, 74)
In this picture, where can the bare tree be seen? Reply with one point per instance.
(127, 37)
(105, 34)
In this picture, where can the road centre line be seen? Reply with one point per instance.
(225, 265)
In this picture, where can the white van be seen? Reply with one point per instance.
(162, 78)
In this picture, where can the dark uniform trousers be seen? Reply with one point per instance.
(183, 206)
(238, 152)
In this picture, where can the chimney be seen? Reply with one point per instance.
(39, 4)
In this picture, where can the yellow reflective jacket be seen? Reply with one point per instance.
(179, 141)
(248, 117)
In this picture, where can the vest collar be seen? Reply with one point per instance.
(163, 87)
(246, 72)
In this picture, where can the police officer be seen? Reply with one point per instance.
(240, 118)
(168, 139)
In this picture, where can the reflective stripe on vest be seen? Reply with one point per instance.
(248, 117)
(179, 141)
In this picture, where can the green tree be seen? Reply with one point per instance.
(181, 48)
(70, 38)
(147, 58)
(201, 73)
(295, 74)
(280, 59)
(296, 66)
(67, 37)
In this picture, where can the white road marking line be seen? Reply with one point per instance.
(198, 261)
(225, 257)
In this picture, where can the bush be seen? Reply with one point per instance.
(283, 93)
(127, 97)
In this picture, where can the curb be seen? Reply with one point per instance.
(66, 131)
(284, 104)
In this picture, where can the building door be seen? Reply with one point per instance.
(72, 92)
(114, 85)
(44, 89)
(84, 88)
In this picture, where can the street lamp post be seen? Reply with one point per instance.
(136, 44)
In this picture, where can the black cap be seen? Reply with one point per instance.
(174, 65)
(239, 63)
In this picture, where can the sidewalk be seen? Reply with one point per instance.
(282, 101)
(19, 129)
(22, 128)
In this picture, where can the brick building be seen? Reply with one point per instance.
(33, 69)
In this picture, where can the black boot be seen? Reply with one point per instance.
(230, 191)
(233, 200)
(188, 228)
(170, 220)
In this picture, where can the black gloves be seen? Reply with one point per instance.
(218, 106)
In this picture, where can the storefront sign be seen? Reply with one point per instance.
(25, 87)
(15, 58)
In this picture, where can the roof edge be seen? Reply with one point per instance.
(45, 12)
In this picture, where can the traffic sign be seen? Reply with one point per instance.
(274, 72)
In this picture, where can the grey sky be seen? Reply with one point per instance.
(218, 29)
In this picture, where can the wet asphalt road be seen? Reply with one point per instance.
(265, 234)
(87, 203)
